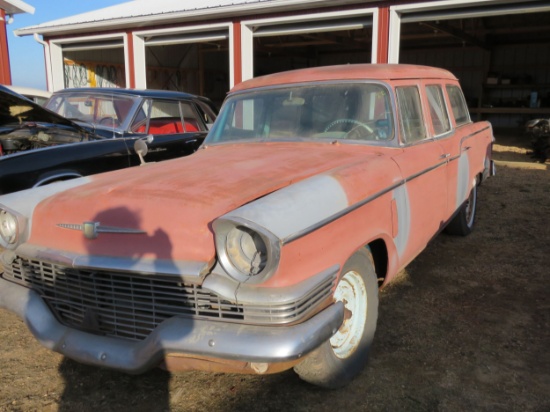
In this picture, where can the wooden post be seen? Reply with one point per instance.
(5, 73)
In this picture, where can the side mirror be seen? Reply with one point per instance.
(141, 148)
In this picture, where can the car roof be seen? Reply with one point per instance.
(166, 94)
(29, 91)
(347, 72)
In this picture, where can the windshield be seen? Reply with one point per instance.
(102, 110)
(355, 111)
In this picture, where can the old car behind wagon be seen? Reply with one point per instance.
(263, 251)
(93, 130)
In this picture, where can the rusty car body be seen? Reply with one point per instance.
(263, 251)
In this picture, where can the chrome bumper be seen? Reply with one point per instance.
(177, 335)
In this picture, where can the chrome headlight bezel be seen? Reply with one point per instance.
(11, 227)
(228, 232)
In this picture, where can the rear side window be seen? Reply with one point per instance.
(458, 105)
(438, 110)
(410, 114)
(165, 117)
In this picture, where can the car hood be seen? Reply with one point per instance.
(176, 201)
(16, 109)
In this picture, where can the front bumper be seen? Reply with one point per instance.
(251, 343)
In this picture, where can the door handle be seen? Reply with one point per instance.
(445, 156)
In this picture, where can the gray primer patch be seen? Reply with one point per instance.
(296, 207)
(463, 179)
(401, 197)
(25, 201)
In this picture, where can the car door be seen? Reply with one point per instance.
(176, 126)
(421, 200)
(464, 156)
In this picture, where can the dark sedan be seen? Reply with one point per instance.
(93, 130)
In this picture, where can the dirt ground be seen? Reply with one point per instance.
(465, 327)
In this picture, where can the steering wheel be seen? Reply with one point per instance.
(361, 130)
(109, 121)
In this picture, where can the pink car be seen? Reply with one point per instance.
(265, 249)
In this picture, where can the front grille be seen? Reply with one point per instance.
(127, 305)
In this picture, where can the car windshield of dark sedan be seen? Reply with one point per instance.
(354, 111)
(108, 111)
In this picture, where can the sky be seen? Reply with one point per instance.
(26, 55)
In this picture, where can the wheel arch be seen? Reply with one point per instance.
(379, 252)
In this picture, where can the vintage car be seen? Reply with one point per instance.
(38, 96)
(89, 131)
(264, 250)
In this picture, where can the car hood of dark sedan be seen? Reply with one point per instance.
(16, 109)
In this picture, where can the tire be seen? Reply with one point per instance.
(463, 222)
(337, 361)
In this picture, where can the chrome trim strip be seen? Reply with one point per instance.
(244, 294)
(92, 229)
(175, 335)
(357, 205)
(473, 134)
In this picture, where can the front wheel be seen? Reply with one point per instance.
(463, 223)
(336, 362)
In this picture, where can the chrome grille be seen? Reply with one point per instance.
(130, 306)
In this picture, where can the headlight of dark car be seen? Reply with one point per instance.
(247, 253)
(9, 228)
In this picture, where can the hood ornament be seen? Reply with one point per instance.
(92, 229)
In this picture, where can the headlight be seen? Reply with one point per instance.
(9, 227)
(247, 253)
(246, 250)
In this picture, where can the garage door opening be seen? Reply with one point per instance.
(501, 56)
(191, 63)
(314, 40)
(94, 64)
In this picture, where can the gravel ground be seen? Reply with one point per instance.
(465, 327)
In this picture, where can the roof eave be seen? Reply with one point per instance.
(225, 12)
(16, 7)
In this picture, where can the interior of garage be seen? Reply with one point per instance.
(502, 61)
(94, 64)
(299, 45)
(500, 53)
(197, 67)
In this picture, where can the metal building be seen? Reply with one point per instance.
(500, 49)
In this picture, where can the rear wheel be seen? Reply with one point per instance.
(344, 355)
(463, 223)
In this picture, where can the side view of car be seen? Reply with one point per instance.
(316, 187)
(88, 131)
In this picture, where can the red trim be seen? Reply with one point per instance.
(131, 69)
(237, 53)
(5, 73)
(383, 34)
